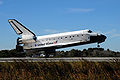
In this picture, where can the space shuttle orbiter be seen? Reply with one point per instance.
(49, 43)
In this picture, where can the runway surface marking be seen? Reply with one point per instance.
(65, 59)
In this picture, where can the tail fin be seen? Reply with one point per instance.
(19, 28)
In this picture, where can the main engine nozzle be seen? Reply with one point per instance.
(19, 48)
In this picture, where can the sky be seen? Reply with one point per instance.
(55, 16)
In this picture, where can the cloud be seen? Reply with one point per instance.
(113, 33)
(116, 35)
(75, 10)
(110, 32)
(1, 2)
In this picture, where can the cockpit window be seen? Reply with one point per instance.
(89, 31)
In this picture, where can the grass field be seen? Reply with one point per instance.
(60, 71)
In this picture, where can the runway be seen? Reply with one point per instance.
(65, 59)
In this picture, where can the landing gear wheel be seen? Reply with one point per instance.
(98, 45)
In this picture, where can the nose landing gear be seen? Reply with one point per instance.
(98, 45)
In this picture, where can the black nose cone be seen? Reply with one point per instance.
(99, 38)
(102, 38)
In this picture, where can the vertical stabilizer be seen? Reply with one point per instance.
(19, 28)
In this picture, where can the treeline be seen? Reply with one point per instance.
(11, 53)
(90, 52)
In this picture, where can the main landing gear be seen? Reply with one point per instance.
(49, 51)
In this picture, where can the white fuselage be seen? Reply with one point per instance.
(51, 42)
(60, 40)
